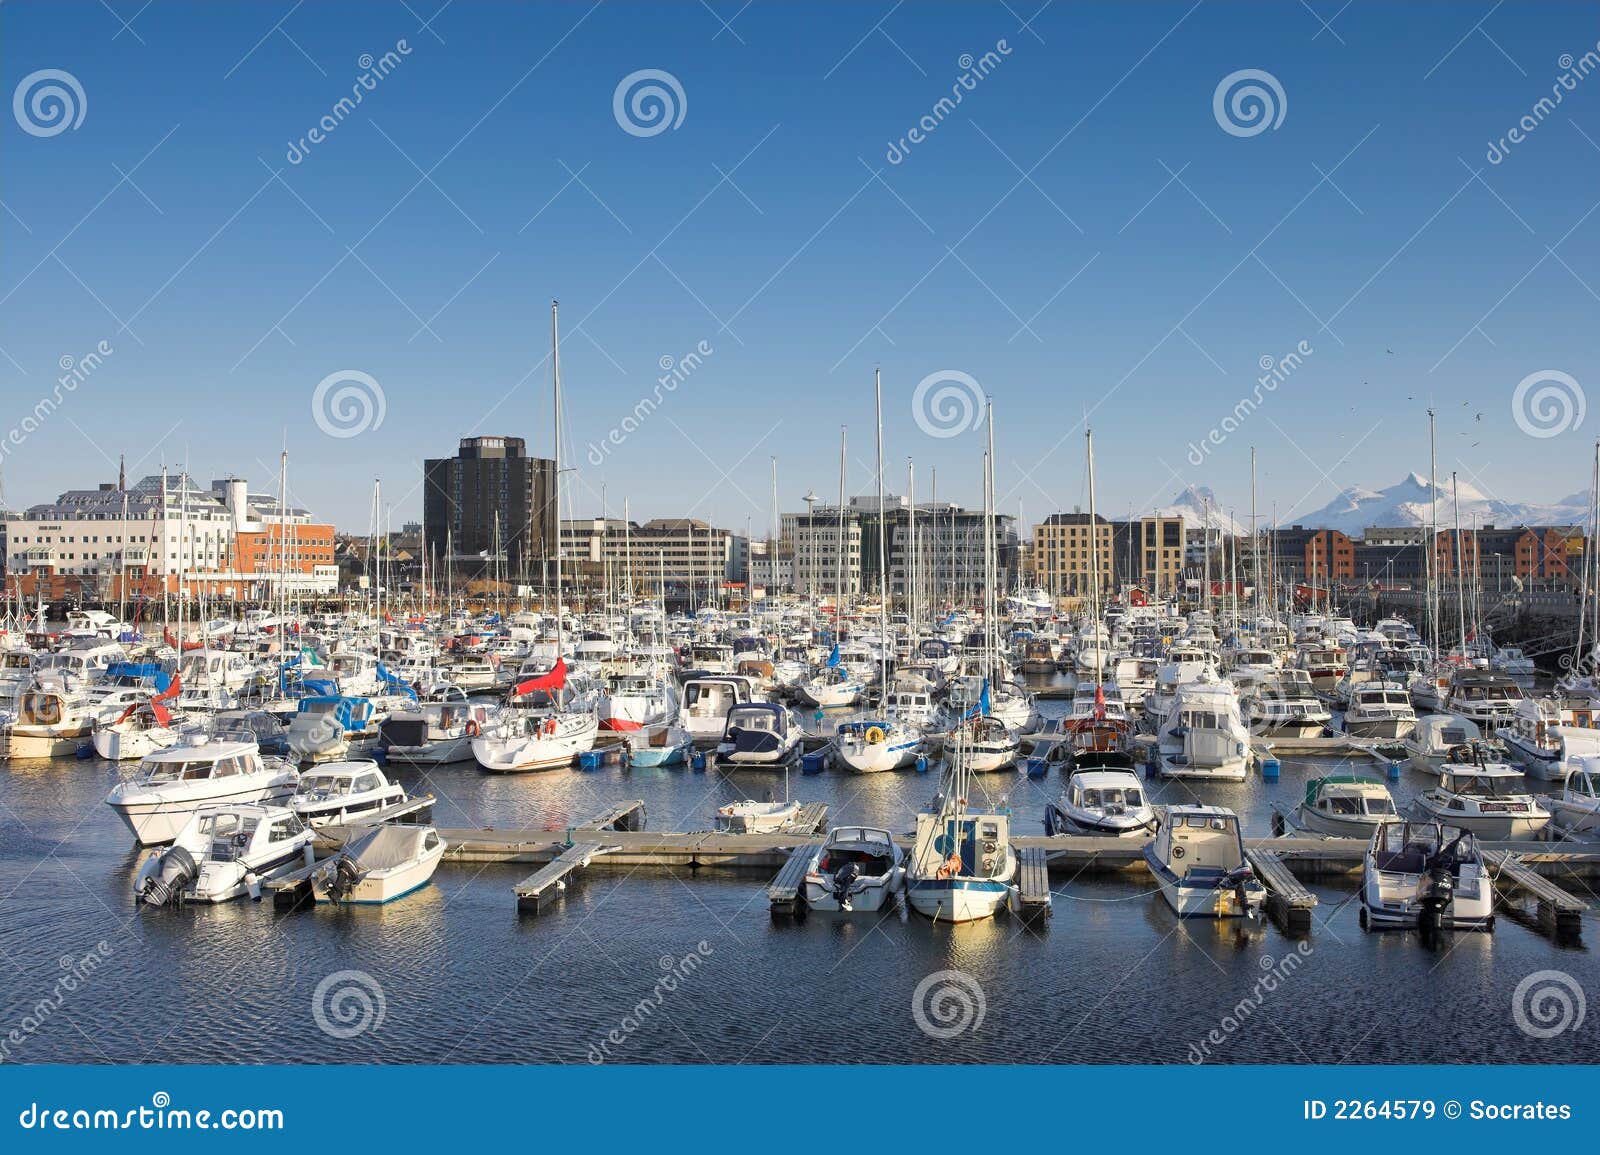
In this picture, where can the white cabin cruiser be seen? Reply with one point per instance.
(758, 736)
(1345, 806)
(1203, 736)
(1197, 857)
(1422, 874)
(1106, 802)
(223, 853)
(1484, 797)
(857, 869)
(335, 793)
(1379, 710)
(1577, 808)
(172, 785)
(1545, 734)
(434, 733)
(1284, 705)
(54, 715)
(706, 702)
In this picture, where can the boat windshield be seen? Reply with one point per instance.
(153, 771)
(1112, 796)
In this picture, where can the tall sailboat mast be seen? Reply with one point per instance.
(883, 549)
(555, 362)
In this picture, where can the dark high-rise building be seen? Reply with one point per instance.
(463, 495)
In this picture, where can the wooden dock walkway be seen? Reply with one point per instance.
(783, 892)
(812, 819)
(535, 890)
(1033, 883)
(1289, 903)
(629, 815)
(1560, 912)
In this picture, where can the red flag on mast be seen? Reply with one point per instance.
(1099, 701)
(554, 680)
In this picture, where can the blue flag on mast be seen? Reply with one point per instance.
(833, 658)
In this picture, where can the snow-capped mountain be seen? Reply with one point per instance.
(1404, 503)
(1408, 503)
(1191, 502)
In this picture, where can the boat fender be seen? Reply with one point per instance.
(252, 884)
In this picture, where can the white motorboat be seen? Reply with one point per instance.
(1345, 806)
(1379, 710)
(170, 786)
(340, 792)
(380, 865)
(1577, 808)
(663, 745)
(703, 710)
(1484, 797)
(1107, 802)
(1422, 874)
(758, 736)
(750, 816)
(54, 715)
(1203, 736)
(637, 701)
(1429, 745)
(869, 746)
(1197, 857)
(857, 868)
(225, 852)
(433, 734)
(1486, 698)
(1284, 705)
(1545, 734)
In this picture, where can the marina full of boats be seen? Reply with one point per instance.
(241, 751)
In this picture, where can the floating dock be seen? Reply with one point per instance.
(1560, 913)
(1289, 903)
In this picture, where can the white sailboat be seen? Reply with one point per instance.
(520, 741)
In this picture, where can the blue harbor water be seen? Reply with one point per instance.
(1112, 977)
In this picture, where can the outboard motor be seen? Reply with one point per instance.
(164, 879)
(843, 879)
(1439, 892)
(338, 879)
(1240, 880)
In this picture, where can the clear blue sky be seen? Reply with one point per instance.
(1036, 240)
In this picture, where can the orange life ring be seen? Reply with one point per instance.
(473, 729)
